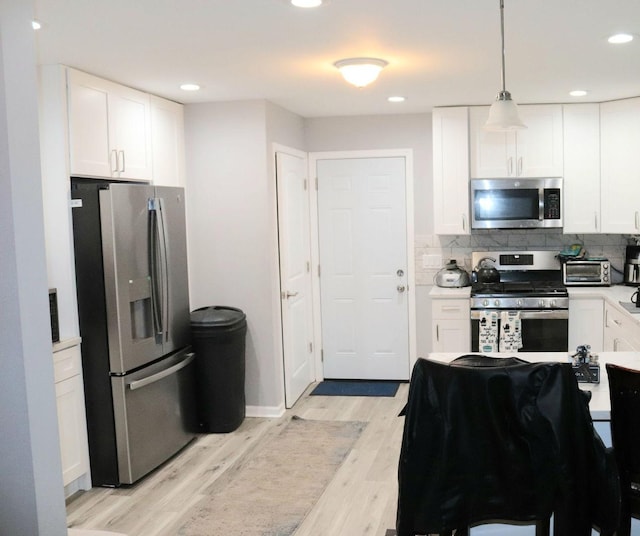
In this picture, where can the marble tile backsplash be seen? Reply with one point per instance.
(461, 247)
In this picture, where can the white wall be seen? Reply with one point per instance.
(32, 496)
(231, 223)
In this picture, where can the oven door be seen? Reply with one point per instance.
(542, 330)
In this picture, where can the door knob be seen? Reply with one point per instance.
(401, 288)
(400, 272)
(286, 295)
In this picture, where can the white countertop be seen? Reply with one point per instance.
(600, 404)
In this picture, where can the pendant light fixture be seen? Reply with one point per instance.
(503, 114)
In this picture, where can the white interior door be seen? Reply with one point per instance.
(362, 228)
(295, 274)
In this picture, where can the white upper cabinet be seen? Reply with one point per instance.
(581, 194)
(532, 152)
(620, 171)
(167, 142)
(109, 129)
(451, 171)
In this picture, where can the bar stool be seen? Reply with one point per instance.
(624, 391)
(500, 440)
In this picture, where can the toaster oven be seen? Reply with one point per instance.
(593, 272)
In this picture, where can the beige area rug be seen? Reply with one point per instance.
(275, 487)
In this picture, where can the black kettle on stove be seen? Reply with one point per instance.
(485, 272)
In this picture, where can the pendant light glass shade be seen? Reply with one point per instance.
(360, 71)
(503, 114)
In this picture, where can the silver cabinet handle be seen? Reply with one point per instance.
(637, 225)
(122, 153)
(595, 217)
(519, 166)
(113, 161)
(510, 166)
(464, 223)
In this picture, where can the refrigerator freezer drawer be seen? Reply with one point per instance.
(154, 414)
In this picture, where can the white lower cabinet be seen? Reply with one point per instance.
(451, 325)
(586, 318)
(621, 333)
(72, 424)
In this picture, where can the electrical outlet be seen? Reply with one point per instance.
(431, 261)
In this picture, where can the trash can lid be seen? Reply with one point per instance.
(216, 315)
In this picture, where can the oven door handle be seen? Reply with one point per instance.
(546, 314)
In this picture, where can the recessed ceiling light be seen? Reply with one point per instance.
(620, 38)
(578, 93)
(397, 98)
(190, 87)
(36, 25)
(306, 3)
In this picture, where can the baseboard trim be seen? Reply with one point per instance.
(271, 412)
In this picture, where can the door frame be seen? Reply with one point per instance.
(407, 154)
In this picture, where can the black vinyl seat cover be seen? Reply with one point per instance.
(499, 438)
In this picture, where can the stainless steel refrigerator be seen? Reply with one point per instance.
(131, 275)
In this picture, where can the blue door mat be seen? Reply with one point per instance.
(356, 388)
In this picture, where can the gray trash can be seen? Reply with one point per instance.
(218, 340)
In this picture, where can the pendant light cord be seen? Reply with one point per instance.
(504, 84)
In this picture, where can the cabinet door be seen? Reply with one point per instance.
(620, 142)
(72, 428)
(539, 146)
(586, 320)
(581, 202)
(492, 154)
(451, 171)
(130, 132)
(89, 147)
(532, 152)
(167, 142)
(451, 326)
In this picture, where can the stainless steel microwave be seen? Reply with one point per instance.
(516, 203)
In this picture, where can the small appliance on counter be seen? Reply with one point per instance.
(632, 266)
(586, 272)
(452, 276)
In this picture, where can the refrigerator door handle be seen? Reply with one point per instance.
(138, 384)
(159, 267)
(164, 268)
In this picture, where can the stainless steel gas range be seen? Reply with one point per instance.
(527, 310)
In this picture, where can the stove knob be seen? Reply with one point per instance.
(485, 303)
(519, 303)
(496, 303)
(541, 303)
(552, 303)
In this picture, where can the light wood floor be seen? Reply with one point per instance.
(360, 500)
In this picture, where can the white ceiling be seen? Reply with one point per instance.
(440, 52)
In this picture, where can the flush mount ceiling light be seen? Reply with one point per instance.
(503, 114)
(360, 71)
(190, 87)
(397, 98)
(306, 3)
(620, 39)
